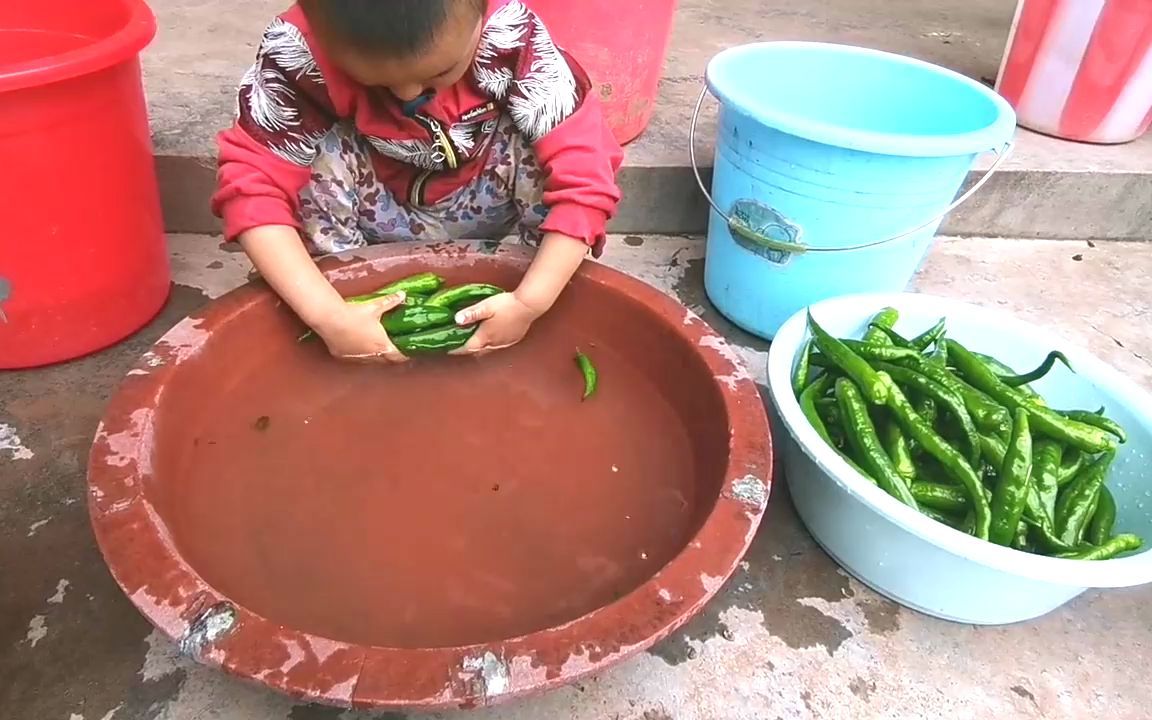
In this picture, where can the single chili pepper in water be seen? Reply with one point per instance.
(434, 340)
(886, 318)
(1076, 503)
(876, 387)
(911, 380)
(460, 296)
(1097, 419)
(800, 375)
(950, 458)
(863, 440)
(1011, 491)
(1104, 519)
(588, 370)
(1117, 545)
(1043, 419)
(420, 284)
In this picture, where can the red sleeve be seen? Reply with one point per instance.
(283, 112)
(550, 98)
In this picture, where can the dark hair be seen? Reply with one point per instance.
(391, 28)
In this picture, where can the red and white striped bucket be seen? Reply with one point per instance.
(1081, 69)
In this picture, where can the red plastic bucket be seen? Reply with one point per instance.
(83, 262)
(1081, 69)
(622, 46)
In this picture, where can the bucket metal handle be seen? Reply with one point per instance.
(737, 227)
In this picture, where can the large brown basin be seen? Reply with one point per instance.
(454, 532)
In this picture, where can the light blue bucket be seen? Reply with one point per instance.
(834, 167)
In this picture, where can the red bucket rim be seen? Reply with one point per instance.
(125, 43)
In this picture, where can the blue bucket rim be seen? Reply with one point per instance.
(990, 137)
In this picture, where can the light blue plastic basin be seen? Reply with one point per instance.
(916, 561)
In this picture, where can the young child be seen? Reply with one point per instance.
(367, 121)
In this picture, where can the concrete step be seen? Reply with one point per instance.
(1047, 189)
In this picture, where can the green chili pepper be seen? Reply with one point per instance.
(949, 457)
(911, 380)
(876, 387)
(897, 339)
(942, 517)
(460, 296)
(993, 450)
(1076, 503)
(434, 340)
(926, 408)
(1011, 491)
(946, 498)
(1043, 419)
(1117, 545)
(421, 284)
(1045, 478)
(929, 337)
(1020, 539)
(829, 412)
(1104, 519)
(1097, 419)
(886, 318)
(808, 399)
(588, 370)
(939, 354)
(877, 352)
(1071, 464)
(409, 319)
(896, 445)
(863, 440)
(989, 416)
(1032, 376)
(800, 375)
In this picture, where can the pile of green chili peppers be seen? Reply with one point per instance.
(964, 439)
(426, 322)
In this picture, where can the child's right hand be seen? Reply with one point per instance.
(354, 332)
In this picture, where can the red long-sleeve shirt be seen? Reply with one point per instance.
(293, 95)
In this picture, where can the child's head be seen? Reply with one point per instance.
(407, 46)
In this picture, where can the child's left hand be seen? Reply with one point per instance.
(504, 321)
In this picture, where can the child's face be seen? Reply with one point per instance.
(440, 66)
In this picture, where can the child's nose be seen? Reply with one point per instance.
(407, 93)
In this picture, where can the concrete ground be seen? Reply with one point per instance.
(790, 636)
(1048, 188)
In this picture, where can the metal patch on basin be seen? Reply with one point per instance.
(762, 230)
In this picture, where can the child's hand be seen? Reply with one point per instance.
(504, 321)
(354, 333)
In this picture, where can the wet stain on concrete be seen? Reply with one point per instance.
(881, 614)
(89, 658)
(1023, 692)
(633, 241)
(783, 565)
(326, 712)
(149, 699)
(215, 265)
(656, 714)
(862, 688)
(689, 289)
